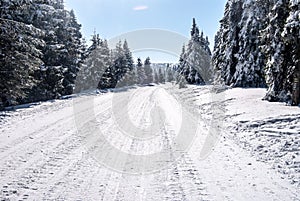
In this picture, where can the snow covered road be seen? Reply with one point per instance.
(52, 151)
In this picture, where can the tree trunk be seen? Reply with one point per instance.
(296, 83)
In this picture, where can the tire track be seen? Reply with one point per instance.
(37, 134)
(28, 175)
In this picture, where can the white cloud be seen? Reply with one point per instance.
(138, 8)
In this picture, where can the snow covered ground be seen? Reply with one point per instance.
(50, 152)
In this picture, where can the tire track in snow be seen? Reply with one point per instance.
(37, 134)
(58, 152)
(179, 181)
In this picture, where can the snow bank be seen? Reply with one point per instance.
(269, 131)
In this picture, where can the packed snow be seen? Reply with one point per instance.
(254, 156)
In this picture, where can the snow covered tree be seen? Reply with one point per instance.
(73, 60)
(194, 62)
(275, 51)
(281, 50)
(96, 42)
(148, 71)
(170, 74)
(20, 58)
(182, 82)
(128, 57)
(50, 38)
(227, 43)
(63, 52)
(95, 64)
(161, 76)
(129, 77)
(292, 41)
(141, 76)
(50, 18)
(121, 65)
(249, 71)
(258, 45)
(155, 77)
(20, 53)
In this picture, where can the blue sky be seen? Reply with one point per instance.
(111, 18)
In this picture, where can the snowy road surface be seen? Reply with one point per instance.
(43, 156)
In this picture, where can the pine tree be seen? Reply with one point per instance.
(75, 50)
(141, 76)
(258, 44)
(63, 52)
(128, 57)
(276, 68)
(169, 74)
(292, 42)
(19, 59)
(249, 71)
(130, 75)
(227, 43)
(194, 62)
(120, 72)
(182, 62)
(48, 47)
(20, 54)
(119, 63)
(161, 76)
(156, 78)
(148, 71)
(95, 64)
(182, 82)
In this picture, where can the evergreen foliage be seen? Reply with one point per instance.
(194, 62)
(258, 45)
(41, 50)
(148, 71)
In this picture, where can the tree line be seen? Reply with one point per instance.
(258, 45)
(110, 68)
(41, 51)
(44, 56)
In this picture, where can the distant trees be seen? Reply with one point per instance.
(141, 76)
(258, 45)
(43, 55)
(104, 68)
(97, 60)
(119, 68)
(148, 71)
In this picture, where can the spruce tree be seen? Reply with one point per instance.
(156, 78)
(161, 76)
(276, 53)
(227, 43)
(258, 44)
(63, 52)
(194, 62)
(141, 76)
(21, 44)
(95, 64)
(292, 42)
(249, 71)
(130, 74)
(169, 74)
(20, 58)
(148, 71)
